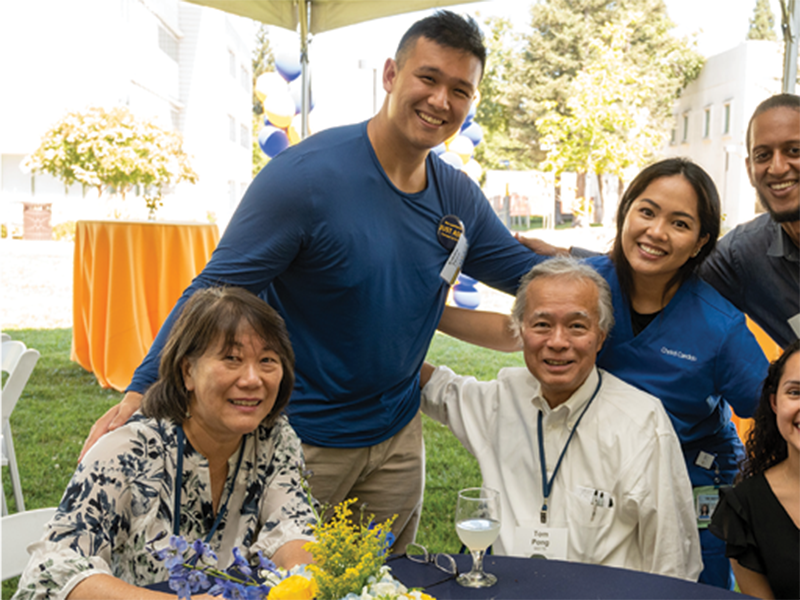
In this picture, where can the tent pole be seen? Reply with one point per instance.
(304, 10)
(790, 23)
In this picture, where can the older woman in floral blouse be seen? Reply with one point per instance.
(210, 458)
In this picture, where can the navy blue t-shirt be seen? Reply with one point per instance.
(352, 264)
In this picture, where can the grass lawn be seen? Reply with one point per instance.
(61, 401)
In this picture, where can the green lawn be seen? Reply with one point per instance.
(61, 401)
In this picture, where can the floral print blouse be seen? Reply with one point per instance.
(122, 497)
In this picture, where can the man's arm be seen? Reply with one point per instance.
(482, 328)
(670, 543)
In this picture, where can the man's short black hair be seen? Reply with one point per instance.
(447, 29)
(777, 101)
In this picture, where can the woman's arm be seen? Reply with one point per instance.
(488, 329)
(106, 587)
(750, 582)
(292, 554)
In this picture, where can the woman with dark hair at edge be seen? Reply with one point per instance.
(760, 517)
(675, 337)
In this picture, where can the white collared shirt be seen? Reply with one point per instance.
(624, 447)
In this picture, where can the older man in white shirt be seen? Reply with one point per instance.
(615, 490)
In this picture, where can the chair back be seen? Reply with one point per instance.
(5, 337)
(18, 361)
(20, 530)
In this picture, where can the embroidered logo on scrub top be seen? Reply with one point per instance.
(678, 354)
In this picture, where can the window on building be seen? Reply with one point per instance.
(726, 119)
(685, 136)
(673, 136)
(707, 122)
(244, 78)
(244, 136)
(168, 43)
(231, 128)
(175, 119)
(232, 63)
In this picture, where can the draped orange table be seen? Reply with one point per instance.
(127, 277)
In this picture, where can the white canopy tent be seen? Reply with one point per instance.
(317, 16)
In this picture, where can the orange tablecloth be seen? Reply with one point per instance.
(127, 277)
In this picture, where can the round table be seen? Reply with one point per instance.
(531, 578)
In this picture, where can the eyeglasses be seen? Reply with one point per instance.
(443, 562)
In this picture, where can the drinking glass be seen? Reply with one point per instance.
(478, 525)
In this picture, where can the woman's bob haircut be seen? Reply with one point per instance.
(211, 316)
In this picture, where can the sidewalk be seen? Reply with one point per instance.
(36, 290)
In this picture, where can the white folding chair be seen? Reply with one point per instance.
(19, 531)
(18, 361)
(5, 337)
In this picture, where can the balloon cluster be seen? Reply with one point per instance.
(281, 95)
(458, 150)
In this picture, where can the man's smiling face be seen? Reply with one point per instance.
(773, 162)
(430, 90)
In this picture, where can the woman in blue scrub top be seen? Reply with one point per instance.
(675, 336)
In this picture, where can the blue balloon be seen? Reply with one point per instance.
(296, 90)
(272, 141)
(288, 66)
(474, 132)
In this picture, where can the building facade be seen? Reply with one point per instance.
(185, 67)
(711, 119)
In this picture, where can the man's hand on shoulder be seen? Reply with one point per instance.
(115, 417)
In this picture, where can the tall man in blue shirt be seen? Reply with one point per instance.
(354, 236)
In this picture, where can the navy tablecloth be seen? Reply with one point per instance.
(531, 578)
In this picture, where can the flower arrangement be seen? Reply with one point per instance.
(348, 564)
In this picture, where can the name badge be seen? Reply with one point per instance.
(455, 261)
(706, 498)
(541, 542)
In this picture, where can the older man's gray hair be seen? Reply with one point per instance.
(569, 268)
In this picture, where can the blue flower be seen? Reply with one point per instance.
(240, 563)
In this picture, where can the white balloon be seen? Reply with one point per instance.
(473, 169)
(462, 146)
(270, 83)
(452, 159)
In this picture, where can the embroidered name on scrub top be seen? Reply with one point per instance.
(545, 541)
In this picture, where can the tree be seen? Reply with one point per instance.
(263, 60)
(762, 24)
(500, 149)
(112, 148)
(606, 126)
(559, 46)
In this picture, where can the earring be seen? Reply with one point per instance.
(696, 252)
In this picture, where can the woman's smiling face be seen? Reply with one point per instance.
(786, 403)
(662, 229)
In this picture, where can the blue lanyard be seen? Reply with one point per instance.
(176, 513)
(547, 486)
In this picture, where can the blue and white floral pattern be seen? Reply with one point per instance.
(121, 497)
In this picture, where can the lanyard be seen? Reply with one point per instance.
(176, 514)
(547, 486)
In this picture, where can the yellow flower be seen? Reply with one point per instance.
(295, 587)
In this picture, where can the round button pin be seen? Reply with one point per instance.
(449, 231)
